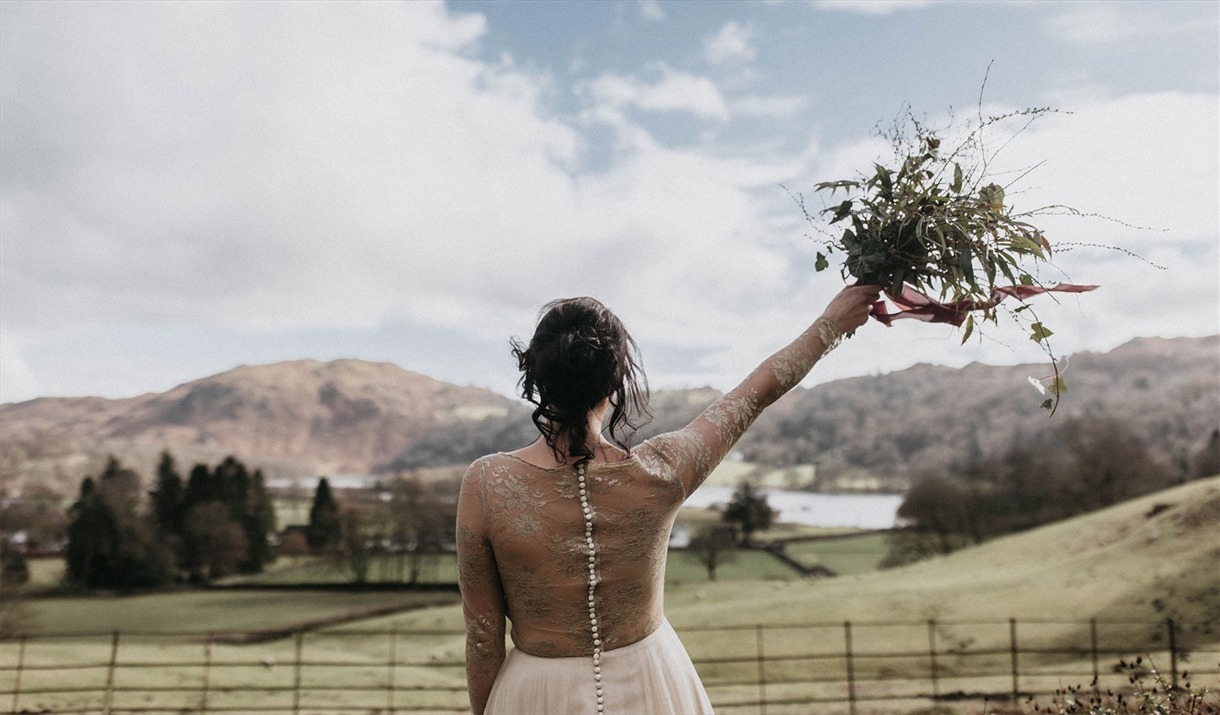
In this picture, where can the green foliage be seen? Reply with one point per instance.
(932, 223)
(748, 510)
(937, 221)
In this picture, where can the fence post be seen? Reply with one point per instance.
(207, 672)
(1093, 649)
(114, 656)
(932, 657)
(296, 675)
(851, 669)
(20, 666)
(1012, 639)
(760, 660)
(393, 665)
(1173, 652)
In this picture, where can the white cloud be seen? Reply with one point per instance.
(732, 44)
(672, 91)
(651, 10)
(255, 168)
(870, 7)
(778, 106)
(1107, 23)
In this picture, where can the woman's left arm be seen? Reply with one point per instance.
(482, 591)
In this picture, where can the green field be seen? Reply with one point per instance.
(1131, 566)
(217, 610)
(846, 556)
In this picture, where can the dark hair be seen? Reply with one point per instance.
(581, 354)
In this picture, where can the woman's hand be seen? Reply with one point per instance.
(849, 309)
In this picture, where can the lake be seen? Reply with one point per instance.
(863, 511)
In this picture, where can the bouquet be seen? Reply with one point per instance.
(935, 231)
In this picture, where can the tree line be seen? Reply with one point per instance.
(217, 522)
(402, 526)
(1084, 465)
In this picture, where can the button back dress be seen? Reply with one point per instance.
(575, 559)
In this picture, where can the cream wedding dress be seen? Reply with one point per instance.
(575, 558)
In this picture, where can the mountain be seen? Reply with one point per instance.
(345, 416)
(350, 416)
(930, 420)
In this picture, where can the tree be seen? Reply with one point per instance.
(712, 546)
(213, 543)
(1081, 466)
(749, 511)
(356, 552)
(324, 529)
(258, 522)
(1206, 461)
(13, 568)
(1111, 463)
(226, 518)
(421, 520)
(168, 497)
(110, 545)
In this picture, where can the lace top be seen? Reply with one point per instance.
(524, 543)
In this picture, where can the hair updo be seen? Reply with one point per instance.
(580, 355)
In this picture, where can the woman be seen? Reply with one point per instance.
(568, 536)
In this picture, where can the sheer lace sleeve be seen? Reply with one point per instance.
(695, 450)
(482, 591)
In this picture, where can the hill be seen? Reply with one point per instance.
(931, 420)
(307, 417)
(1153, 557)
(350, 416)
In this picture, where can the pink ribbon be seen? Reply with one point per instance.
(913, 304)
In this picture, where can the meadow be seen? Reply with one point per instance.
(1130, 567)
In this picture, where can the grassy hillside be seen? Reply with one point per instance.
(1128, 561)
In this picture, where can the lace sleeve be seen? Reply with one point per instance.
(482, 591)
(695, 450)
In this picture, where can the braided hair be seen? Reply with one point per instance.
(581, 354)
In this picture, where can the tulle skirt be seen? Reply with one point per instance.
(654, 676)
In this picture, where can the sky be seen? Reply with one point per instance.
(188, 187)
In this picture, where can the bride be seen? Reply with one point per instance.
(568, 537)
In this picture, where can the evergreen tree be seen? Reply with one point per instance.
(109, 544)
(257, 523)
(227, 515)
(168, 497)
(199, 487)
(324, 528)
(748, 510)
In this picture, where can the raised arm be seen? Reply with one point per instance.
(482, 591)
(695, 450)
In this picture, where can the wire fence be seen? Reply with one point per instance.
(769, 669)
